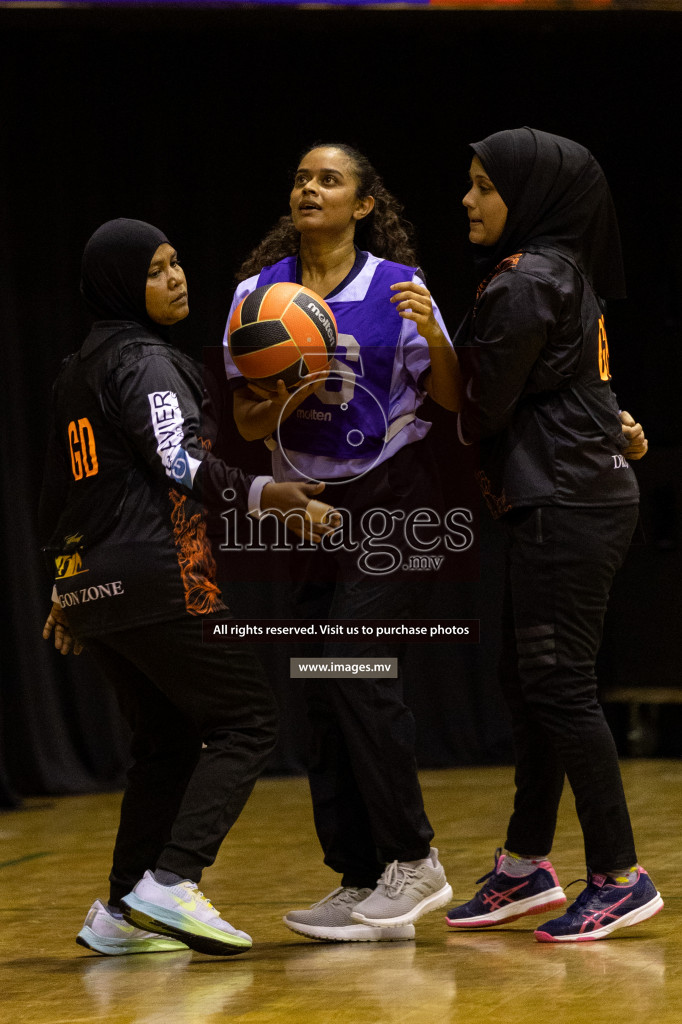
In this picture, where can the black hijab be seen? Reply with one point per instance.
(114, 270)
(557, 196)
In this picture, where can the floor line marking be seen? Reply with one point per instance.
(20, 860)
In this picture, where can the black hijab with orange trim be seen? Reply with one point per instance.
(557, 196)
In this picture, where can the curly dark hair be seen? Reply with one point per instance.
(384, 232)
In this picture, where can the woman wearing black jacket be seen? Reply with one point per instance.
(554, 470)
(129, 470)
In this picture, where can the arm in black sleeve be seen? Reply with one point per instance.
(515, 315)
(160, 412)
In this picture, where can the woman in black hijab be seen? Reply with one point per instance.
(129, 471)
(554, 470)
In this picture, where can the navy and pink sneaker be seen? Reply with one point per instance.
(602, 907)
(507, 897)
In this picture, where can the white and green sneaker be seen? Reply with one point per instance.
(184, 913)
(105, 933)
(330, 920)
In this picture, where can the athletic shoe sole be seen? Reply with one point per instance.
(351, 932)
(201, 937)
(649, 909)
(542, 902)
(114, 947)
(433, 902)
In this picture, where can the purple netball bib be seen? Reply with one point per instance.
(348, 417)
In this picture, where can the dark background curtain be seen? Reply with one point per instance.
(193, 120)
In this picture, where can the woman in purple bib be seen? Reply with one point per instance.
(359, 432)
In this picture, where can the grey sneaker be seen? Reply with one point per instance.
(330, 919)
(406, 891)
(184, 913)
(105, 933)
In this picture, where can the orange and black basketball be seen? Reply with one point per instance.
(283, 332)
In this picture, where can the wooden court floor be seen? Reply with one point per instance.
(54, 860)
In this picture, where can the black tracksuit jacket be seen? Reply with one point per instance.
(129, 470)
(538, 392)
